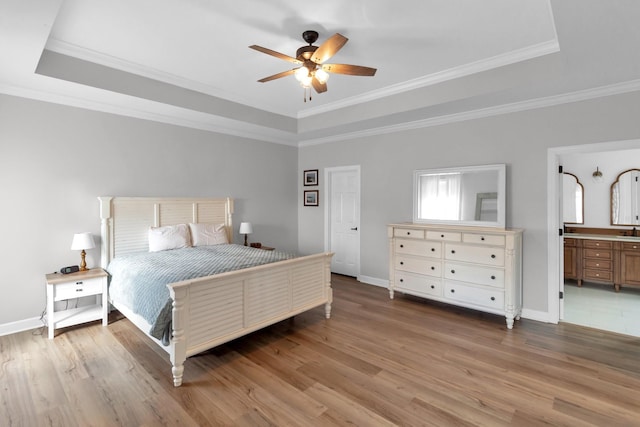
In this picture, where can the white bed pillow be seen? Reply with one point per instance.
(203, 234)
(168, 237)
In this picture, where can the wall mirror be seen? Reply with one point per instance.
(470, 195)
(625, 193)
(572, 199)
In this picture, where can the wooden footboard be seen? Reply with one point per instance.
(212, 310)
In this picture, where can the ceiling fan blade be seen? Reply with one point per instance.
(352, 70)
(277, 76)
(329, 48)
(274, 53)
(319, 87)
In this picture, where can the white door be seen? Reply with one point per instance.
(343, 228)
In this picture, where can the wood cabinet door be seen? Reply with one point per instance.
(630, 267)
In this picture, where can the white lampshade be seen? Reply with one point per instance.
(82, 241)
(246, 228)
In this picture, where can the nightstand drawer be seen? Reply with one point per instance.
(78, 288)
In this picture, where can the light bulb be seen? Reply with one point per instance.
(322, 76)
(306, 81)
(301, 73)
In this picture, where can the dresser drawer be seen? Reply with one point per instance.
(603, 275)
(470, 273)
(418, 284)
(419, 247)
(430, 267)
(480, 255)
(597, 253)
(598, 264)
(490, 298)
(483, 239)
(446, 236)
(598, 244)
(77, 289)
(409, 233)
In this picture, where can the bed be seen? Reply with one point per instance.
(210, 310)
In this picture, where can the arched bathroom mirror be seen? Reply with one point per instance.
(572, 199)
(625, 194)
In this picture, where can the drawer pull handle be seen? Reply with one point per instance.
(79, 283)
(453, 272)
(401, 262)
(433, 268)
(493, 298)
(453, 291)
(401, 280)
(452, 251)
(442, 235)
(433, 249)
(493, 277)
(493, 256)
(402, 246)
(79, 290)
(408, 233)
(433, 287)
(482, 238)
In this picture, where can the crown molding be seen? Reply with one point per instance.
(550, 101)
(529, 52)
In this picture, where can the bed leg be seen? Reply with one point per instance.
(177, 372)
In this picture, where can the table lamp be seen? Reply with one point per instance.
(82, 241)
(245, 228)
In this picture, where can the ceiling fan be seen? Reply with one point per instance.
(312, 71)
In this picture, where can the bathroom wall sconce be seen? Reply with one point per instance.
(597, 175)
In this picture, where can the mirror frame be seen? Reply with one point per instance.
(611, 199)
(500, 190)
(563, 195)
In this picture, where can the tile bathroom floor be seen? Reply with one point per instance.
(599, 306)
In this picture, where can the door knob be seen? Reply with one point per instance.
(354, 229)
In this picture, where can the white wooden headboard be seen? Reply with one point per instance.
(125, 221)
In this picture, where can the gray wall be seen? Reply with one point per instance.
(520, 140)
(55, 161)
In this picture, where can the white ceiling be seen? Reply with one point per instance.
(187, 61)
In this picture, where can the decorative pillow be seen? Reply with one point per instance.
(168, 237)
(203, 234)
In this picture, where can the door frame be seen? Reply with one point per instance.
(328, 172)
(554, 267)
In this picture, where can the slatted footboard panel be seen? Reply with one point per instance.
(216, 309)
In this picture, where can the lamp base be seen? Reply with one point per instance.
(83, 264)
(245, 240)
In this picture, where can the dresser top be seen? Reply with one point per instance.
(459, 228)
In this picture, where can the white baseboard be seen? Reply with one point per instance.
(20, 325)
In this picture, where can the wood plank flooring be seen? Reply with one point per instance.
(376, 362)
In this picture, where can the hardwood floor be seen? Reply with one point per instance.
(376, 362)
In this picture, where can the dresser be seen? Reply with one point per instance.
(473, 267)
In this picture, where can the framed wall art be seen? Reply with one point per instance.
(310, 177)
(311, 198)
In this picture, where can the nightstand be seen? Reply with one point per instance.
(63, 287)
